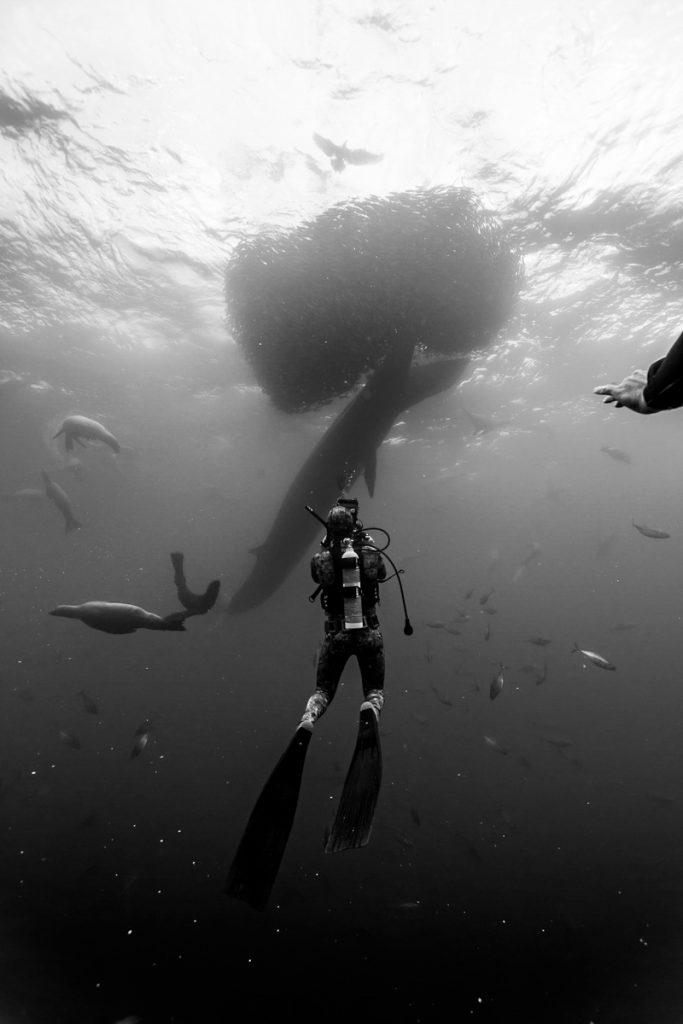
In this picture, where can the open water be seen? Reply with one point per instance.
(535, 877)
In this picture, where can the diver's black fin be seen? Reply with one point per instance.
(370, 472)
(353, 822)
(257, 861)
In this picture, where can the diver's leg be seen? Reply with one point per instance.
(370, 656)
(353, 820)
(334, 654)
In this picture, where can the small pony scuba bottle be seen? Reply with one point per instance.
(353, 607)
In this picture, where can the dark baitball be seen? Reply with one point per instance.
(316, 307)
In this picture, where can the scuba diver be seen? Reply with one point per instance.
(658, 389)
(348, 570)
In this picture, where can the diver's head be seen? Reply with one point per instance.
(339, 523)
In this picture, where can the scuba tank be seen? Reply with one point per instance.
(353, 606)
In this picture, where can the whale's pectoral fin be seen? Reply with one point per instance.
(370, 473)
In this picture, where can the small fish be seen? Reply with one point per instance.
(487, 631)
(648, 531)
(597, 659)
(624, 627)
(140, 743)
(69, 740)
(440, 697)
(469, 594)
(415, 817)
(144, 727)
(542, 676)
(488, 610)
(616, 453)
(539, 641)
(556, 741)
(436, 624)
(494, 745)
(497, 683)
(453, 631)
(485, 596)
(89, 704)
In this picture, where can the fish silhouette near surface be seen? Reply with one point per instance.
(196, 604)
(347, 448)
(649, 531)
(111, 617)
(60, 498)
(340, 156)
(616, 453)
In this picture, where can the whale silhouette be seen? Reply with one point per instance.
(347, 448)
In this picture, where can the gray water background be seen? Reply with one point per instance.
(493, 886)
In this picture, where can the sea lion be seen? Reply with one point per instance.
(196, 604)
(112, 617)
(61, 499)
(76, 427)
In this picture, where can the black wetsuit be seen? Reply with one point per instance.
(664, 388)
(339, 644)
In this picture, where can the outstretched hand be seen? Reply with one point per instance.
(629, 393)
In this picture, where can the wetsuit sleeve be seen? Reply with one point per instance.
(664, 388)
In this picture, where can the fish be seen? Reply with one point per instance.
(415, 817)
(596, 659)
(616, 453)
(469, 594)
(141, 742)
(487, 631)
(25, 494)
(497, 683)
(542, 676)
(539, 641)
(61, 499)
(347, 448)
(436, 624)
(440, 697)
(624, 627)
(486, 595)
(481, 424)
(488, 610)
(89, 704)
(648, 531)
(340, 156)
(495, 745)
(534, 555)
(69, 740)
(558, 742)
(453, 631)
(145, 726)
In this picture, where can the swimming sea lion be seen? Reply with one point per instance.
(76, 427)
(112, 617)
(61, 499)
(196, 604)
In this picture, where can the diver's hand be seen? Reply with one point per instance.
(629, 393)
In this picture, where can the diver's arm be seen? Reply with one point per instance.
(661, 388)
